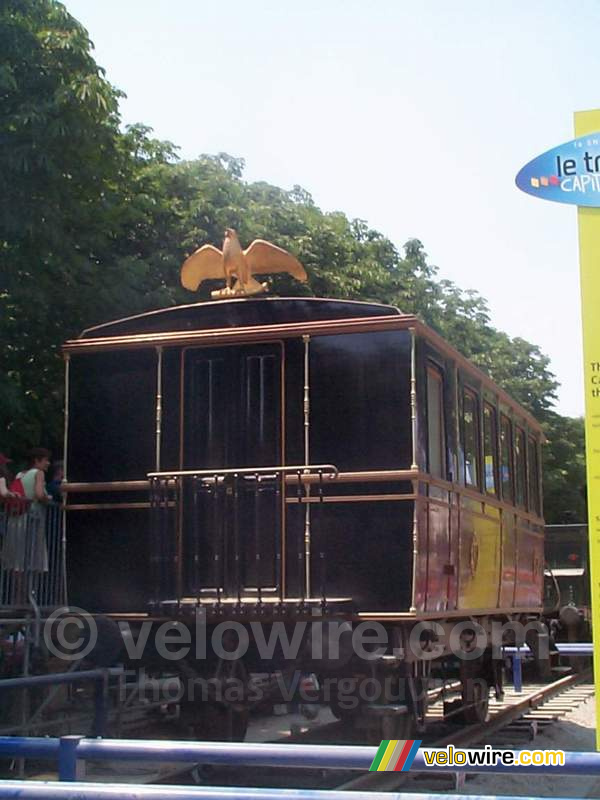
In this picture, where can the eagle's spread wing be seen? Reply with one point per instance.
(206, 262)
(263, 257)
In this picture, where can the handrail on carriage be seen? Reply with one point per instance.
(308, 474)
(297, 470)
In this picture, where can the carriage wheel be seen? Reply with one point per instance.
(413, 721)
(400, 726)
(212, 717)
(343, 713)
(210, 721)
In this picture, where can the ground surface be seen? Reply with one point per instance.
(576, 732)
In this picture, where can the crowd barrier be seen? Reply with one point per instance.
(126, 791)
(72, 751)
(32, 555)
(516, 654)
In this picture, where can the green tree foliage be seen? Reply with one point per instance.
(564, 470)
(70, 197)
(95, 222)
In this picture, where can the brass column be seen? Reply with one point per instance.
(413, 396)
(159, 353)
(415, 483)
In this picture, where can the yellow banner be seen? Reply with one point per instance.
(589, 260)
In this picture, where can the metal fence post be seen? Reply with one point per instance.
(100, 703)
(517, 670)
(70, 768)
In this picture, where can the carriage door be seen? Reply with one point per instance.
(232, 420)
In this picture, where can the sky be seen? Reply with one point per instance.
(414, 115)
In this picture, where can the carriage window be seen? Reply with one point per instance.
(471, 438)
(533, 477)
(435, 421)
(521, 472)
(506, 459)
(490, 446)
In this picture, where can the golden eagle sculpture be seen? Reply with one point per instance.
(259, 258)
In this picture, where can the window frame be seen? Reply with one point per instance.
(534, 500)
(520, 434)
(436, 372)
(495, 492)
(511, 466)
(468, 391)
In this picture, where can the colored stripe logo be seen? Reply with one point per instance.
(395, 755)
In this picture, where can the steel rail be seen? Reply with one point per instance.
(474, 733)
(471, 735)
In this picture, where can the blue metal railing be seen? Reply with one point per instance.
(100, 677)
(70, 749)
(564, 649)
(34, 790)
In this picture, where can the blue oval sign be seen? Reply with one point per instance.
(570, 173)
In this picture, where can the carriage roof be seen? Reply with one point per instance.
(242, 319)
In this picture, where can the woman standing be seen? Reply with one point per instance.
(25, 543)
(34, 484)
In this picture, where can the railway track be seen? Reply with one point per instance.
(511, 719)
(516, 718)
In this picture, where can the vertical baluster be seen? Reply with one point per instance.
(301, 564)
(323, 548)
(225, 534)
(165, 543)
(161, 522)
(155, 516)
(55, 598)
(196, 489)
(44, 543)
(53, 593)
(56, 581)
(174, 543)
(58, 560)
(4, 571)
(41, 550)
(257, 558)
(236, 538)
(155, 532)
(49, 577)
(29, 527)
(3, 526)
(8, 574)
(46, 589)
(216, 544)
(28, 550)
(279, 481)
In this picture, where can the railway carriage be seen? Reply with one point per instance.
(283, 460)
(567, 586)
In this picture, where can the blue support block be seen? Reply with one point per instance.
(517, 666)
(67, 758)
